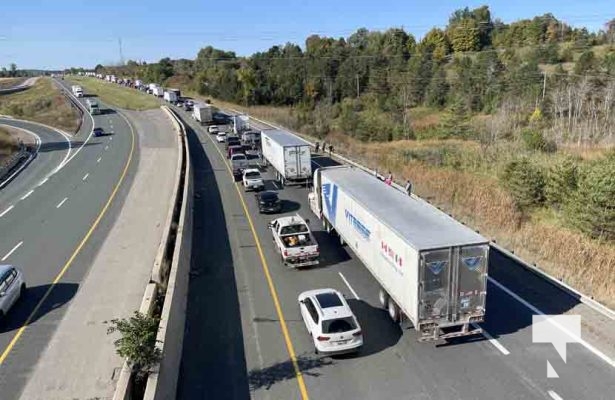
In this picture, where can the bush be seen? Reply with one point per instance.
(561, 181)
(592, 208)
(138, 341)
(534, 140)
(525, 182)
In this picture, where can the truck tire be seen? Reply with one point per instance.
(393, 310)
(383, 296)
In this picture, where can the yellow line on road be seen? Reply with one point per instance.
(272, 290)
(69, 262)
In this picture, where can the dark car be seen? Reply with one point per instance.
(268, 202)
(232, 141)
(98, 132)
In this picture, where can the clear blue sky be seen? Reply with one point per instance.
(57, 34)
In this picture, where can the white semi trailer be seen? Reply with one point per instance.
(288, 154)
(431, 269)
(203, 113)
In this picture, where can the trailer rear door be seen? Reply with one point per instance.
(453, 283)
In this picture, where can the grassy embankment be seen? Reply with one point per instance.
(8, 145)
(115, 95)
(462, 178)
(42, 103)
(6, 83)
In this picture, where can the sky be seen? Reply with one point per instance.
(43, 34)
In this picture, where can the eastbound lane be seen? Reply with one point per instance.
(53, 224)
(392, 365)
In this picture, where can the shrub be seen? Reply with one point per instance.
(592, 208)
(525, 182)
(561, 181)
(534, 140)
(138, 341)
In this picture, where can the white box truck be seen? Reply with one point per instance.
(158, 91)
(170, 96)
(289, 155)
(203, 113)
(77, 90)
(431, 269)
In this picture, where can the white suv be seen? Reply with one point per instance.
(12, 287)
(330, 321)
(213, 129)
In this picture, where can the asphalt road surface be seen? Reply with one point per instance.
(234, 347)
(52, 230)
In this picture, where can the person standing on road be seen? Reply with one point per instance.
(330, 149)
(317, 146)
(409, 187)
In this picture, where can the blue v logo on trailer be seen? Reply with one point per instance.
(329, 192)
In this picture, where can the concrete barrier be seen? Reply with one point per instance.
(162, 383)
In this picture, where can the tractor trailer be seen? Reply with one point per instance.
(432, 270)
(289, 155)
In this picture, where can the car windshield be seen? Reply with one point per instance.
(239, 157)
(253, 174)
(338, 325)
(294, 229)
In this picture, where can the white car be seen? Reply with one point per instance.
(221, 137)
(213, 129)
(330, 321)
(12, 287)
(252, 179)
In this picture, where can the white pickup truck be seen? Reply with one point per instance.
(252, 179)
(294, 241)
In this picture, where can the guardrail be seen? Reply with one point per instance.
(169, 278)
(8, 166)
(585, 299)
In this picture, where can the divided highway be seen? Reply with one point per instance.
(51, 225)
(244, 331)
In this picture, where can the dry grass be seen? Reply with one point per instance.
(586, 264)
(6, 83)
(42, 103)
(8, 145)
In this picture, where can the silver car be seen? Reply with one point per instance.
(12, 287)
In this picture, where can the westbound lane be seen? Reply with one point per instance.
(392, 365)
(53, 225)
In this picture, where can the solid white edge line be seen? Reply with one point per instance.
(25, 196)
(554, 395)
(7, 210)
(62, 202)
(18, 245)
(577, 339)
(43, 181)
(493, 340)
(349, 287)
(38, 146)
(85, 176)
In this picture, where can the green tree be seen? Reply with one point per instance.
(465, 36)
(525, 182)
(592, 209)
(586, 63)
(13, 70)
(561, 181)
(438, 88)
(247, 79)
(138, 341)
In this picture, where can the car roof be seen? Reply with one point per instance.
(325, 303)
(251, 170)
(268, 193)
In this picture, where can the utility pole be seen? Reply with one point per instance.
(358, 92)
(119, 41)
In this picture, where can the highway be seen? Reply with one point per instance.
(51, 226)
(236, 346)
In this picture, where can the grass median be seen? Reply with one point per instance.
(8, 144)
(116, 95)
(42, 103)
(6, 83)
